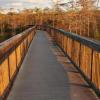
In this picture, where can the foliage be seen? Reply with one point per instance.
(83, 19)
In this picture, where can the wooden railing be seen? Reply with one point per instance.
(12, 53)
(84, 53)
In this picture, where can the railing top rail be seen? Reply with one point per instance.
(10, 43)
(94, 44)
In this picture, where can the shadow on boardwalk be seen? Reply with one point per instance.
(46, 74)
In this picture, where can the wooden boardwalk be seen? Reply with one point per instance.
(46, 74)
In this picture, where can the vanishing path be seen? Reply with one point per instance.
(47, 75)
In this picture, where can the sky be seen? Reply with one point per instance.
(21, 4)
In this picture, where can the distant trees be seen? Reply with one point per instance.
(79, 16)
(12, 23)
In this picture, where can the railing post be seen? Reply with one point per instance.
(88, 55)
(9, 70)
(80, 55)
(91, 64)
(9, 63)
(16, 57)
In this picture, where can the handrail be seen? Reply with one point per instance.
(94, 44)
(8, 44)
(83, 52)
(12, 53)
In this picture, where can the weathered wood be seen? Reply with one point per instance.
(85, 60)
(46, 74)
(96, 69)
(12, 53)
(84, 53)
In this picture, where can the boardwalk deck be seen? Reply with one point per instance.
(47, 75)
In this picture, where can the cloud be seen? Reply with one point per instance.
(37, 1)
(31, 1)
(17, 4)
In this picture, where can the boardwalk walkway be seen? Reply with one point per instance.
(47, 75)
